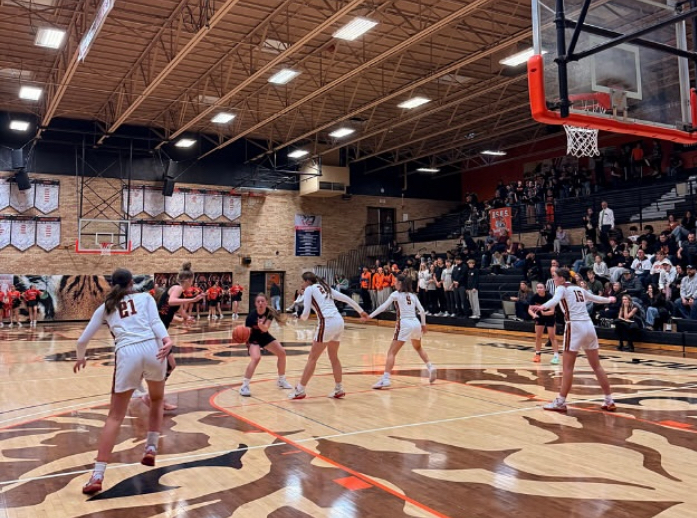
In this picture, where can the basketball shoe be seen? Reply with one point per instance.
(382, 383)
(432, 373)
(297, 394)
(337, 393)
(556, 406)
(609, 406)
(94, 485)
(244, 391)
(283, 383)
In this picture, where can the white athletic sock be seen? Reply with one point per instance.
(245, 382)
(339, 386)
(386, 375)
(556, 355)
(608, 398)
(99, 469)
(429, 365)
(281, 376)
(301, 388)
(561, 399)
(151, 439)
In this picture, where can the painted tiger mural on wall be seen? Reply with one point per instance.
(72, 297)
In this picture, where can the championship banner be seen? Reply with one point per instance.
(308, 235)
(133, 200)
(5, 230)
(213, 205)
(500, 221)
(174, 205)
(212, 237)
(21, 200)
(46, 195)
(4, 193)
(193, 237)
(172, 236)
(151, 237)
(194, 203)
(23, 233)
(135, 232)
(232, 207)
(153, 202)
(231, 238)
(48, 233)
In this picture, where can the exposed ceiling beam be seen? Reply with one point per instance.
(280, 58)
(222, 11)
(420, 36)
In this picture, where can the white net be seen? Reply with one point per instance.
(581, 141)
(105, 248)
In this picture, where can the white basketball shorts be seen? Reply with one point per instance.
(407, 329)
(580, 334)
(136, 362)
(329, 329)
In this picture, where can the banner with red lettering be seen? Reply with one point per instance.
(500, 221)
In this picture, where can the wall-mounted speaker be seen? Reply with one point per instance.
(168, 186)
(22, 180)
(17, 157)
(246, 260)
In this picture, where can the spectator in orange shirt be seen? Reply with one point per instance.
(31, 298)
(377, 286)
(213, 295)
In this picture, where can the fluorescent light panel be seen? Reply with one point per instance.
(519, 58)
(50, 38)
(283, 76)
(298, 153)
(185, 142)
(30, 93)
(19, 125)
(341, 132)
(223, 118)
(491, 152)
(428, 170)
(414, 102)
(355, 29)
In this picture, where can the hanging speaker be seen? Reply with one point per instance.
(22, 180)
(168, 186)
(17, 159)
(247, 260)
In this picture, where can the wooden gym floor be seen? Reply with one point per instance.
(474, 444)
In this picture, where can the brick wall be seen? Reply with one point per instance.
(268, 235)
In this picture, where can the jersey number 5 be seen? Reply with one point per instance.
(127, 308)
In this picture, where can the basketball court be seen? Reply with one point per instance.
(475, 443)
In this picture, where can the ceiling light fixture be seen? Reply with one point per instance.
(283, 76)
(341, 132)
(428, 170)
(519, 58)
(31, 93)
(355, 29)
(223, 118)
(49, 38)
(185, 142)
(414, 102)
(298, 153)
(491, 152)
(19, 125)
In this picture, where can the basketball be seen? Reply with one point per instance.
(240, 334)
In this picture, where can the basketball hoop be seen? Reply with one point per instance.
(581, 141)
(105, 248)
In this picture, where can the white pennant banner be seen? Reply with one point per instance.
(4, 193)
(23, 234)
(46, 197)
(5, 230)
(48, 234)
(135, 235)
(194, 204)
(231, 238)
(154, 203)
(193, 237)
(232, 207)
(214, 205)
(151, 237)
(135, 203)
(174, 205)
(21, 200)
(172, 236)
(212, 238)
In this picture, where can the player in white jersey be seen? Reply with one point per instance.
(407, 327)
(579, 333)
(138, 332)
(320, 297)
